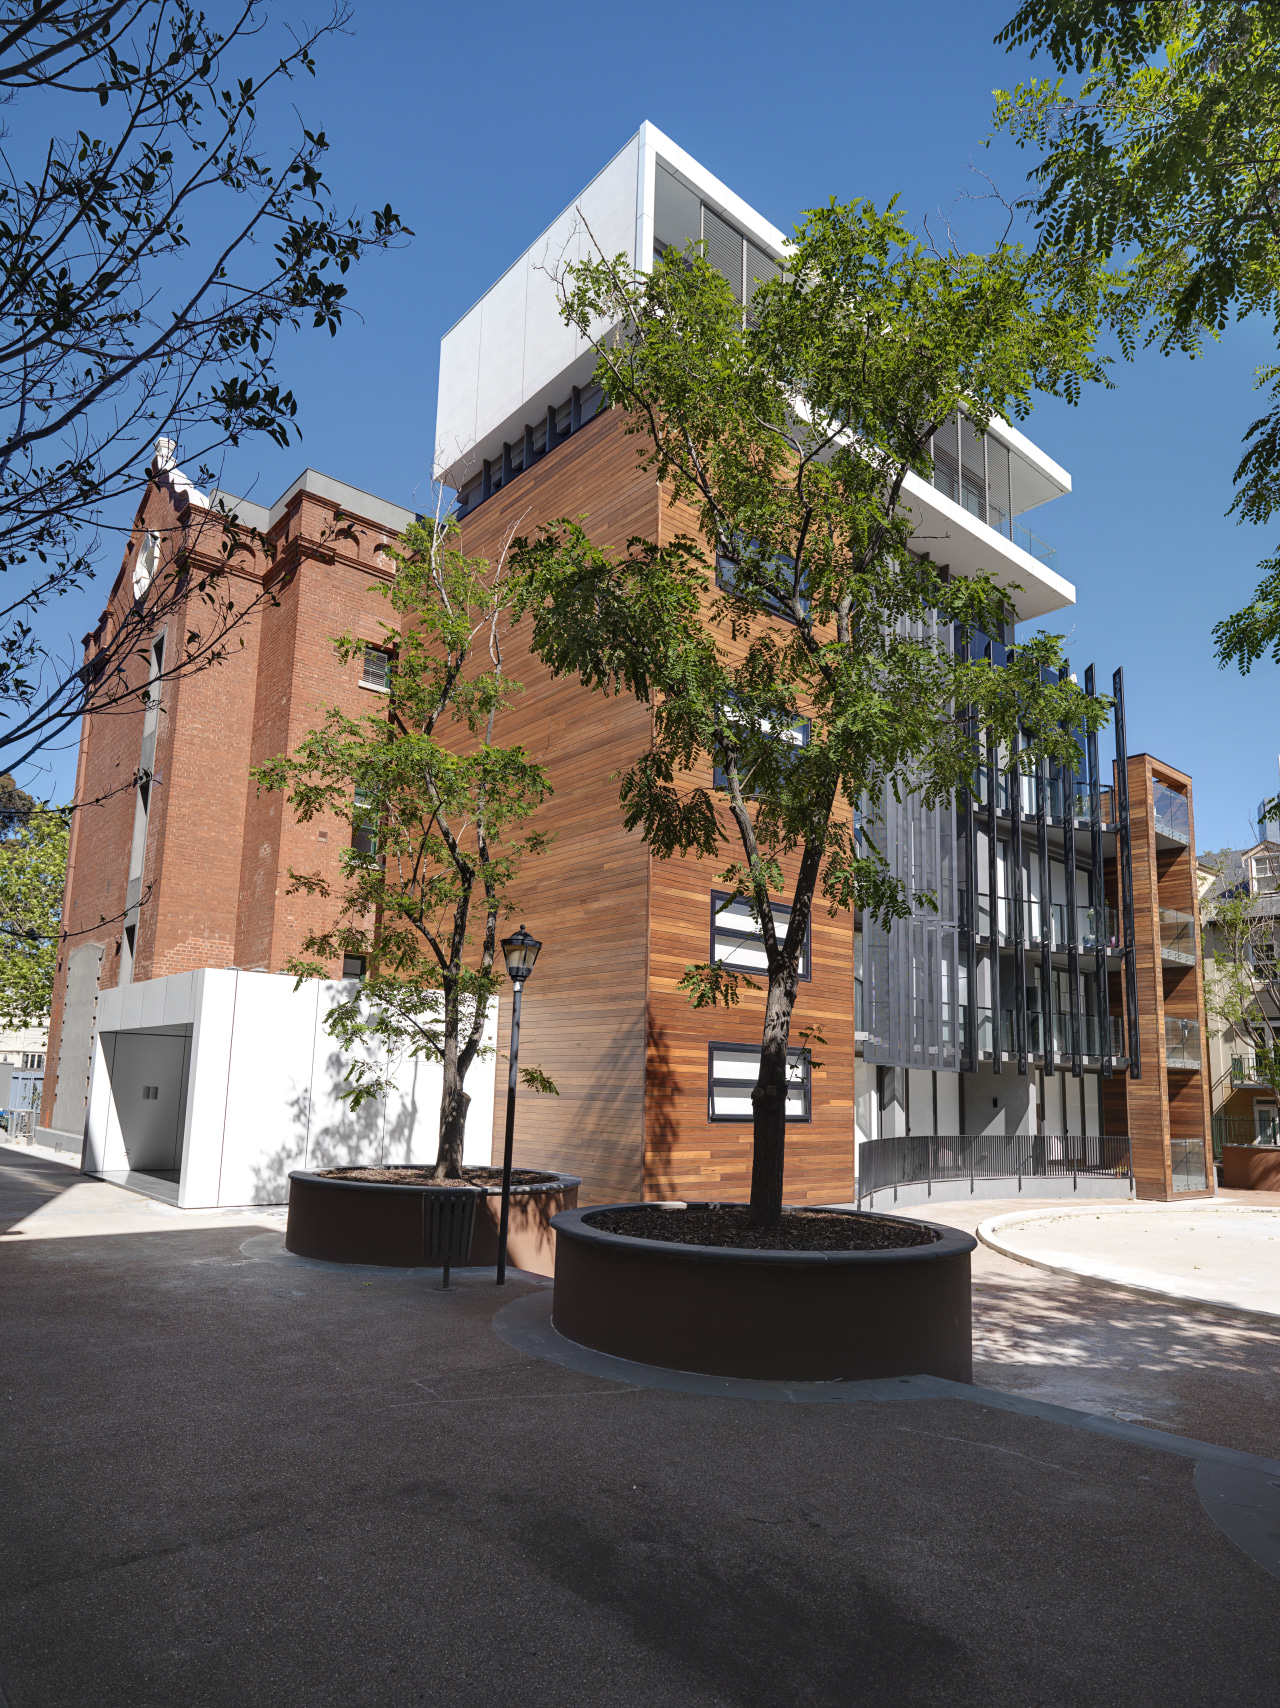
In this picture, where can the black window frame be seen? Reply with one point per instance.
(364, 966)
(795, 1052)
(718, 896)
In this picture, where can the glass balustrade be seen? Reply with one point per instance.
(1173, 815)
(1181, 1042)
(1177, 937)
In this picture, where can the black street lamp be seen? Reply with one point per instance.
(520, 952)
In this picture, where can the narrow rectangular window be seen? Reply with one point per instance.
(377, 669)
(732, 1071)
(364, 825)
(736, 939)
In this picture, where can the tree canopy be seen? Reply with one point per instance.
(1159, 146)
(826, 675)
(438, 816)
(33, 871)
(151, 255)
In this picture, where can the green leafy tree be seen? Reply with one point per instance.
(152, 252)
(33, 872)
(438, 813)
(1159, 142)
(791, 430)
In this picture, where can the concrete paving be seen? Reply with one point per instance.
(233, 1477)
(1209, 1252)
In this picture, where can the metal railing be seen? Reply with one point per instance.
(925, 1159)
(1231, 1130)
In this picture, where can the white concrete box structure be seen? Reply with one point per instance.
(513, 375)
(208, 1087)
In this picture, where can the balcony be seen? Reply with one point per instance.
(1062, 792)
(1177, 937)
(989, 480)
(1090, 1034)
(1182, 1044)
(1172, 813)
(1095, 927)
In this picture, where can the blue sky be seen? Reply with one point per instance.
(479, 126)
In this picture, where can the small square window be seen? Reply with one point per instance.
(732, 1072)
(736, 939)
(377, 669)
(353, 966)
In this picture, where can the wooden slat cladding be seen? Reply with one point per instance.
(583, 1016)
(687, 1154)
(1162, 1103)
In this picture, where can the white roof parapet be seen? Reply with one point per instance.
(510, 357)
(393, 517)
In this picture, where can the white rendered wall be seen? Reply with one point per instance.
(261, 1089)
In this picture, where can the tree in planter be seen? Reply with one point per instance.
(791, 430)
(436, 830)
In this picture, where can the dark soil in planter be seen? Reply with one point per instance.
(410, 1176)
(727, 1225)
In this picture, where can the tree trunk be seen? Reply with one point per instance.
(769, 1106)
(454, 1103)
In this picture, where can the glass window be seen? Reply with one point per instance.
(736, 939)
(732, 1071)
(377, 669)
(353, 966)
(364, 825)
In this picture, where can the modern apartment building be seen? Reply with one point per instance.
(1054, 999)
(1056, 993)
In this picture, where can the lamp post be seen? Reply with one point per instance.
(520, 952)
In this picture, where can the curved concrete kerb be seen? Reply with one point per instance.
(1226, 1256)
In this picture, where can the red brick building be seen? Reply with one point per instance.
(176, 862)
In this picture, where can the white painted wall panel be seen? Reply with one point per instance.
(213, 1002)
(268, 1101)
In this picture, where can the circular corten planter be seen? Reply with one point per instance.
(795, 1316)
(381, 1222)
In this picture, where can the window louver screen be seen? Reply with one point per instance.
(760, 269)
(723, 248)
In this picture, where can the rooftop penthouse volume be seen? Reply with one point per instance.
(516, 382)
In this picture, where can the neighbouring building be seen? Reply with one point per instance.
(1244, 886)
(22, 1053)
(1053, 1003)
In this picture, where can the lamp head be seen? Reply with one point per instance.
(520, 951)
